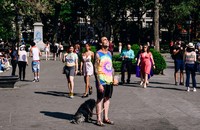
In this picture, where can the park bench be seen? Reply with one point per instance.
(8, 81)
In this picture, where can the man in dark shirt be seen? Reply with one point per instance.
(178, 53)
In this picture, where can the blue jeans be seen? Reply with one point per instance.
(190, 69)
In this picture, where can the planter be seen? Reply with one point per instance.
(8, 81)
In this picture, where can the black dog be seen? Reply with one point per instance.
(84, 112)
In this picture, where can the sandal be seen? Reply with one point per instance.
(108, 121)
(100, 123)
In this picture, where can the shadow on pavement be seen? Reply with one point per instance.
(58, 115)
(177, 89)
(161, 83)
(56, 93)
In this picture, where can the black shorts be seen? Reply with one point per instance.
(108, 90)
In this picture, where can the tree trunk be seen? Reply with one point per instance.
(56, 17)
(156, 26)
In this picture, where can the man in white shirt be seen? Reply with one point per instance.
(35, 54)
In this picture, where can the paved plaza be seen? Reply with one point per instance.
(46, 106)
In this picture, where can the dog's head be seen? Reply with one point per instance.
(91, 103)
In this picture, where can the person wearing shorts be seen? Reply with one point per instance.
(71, 68)
(178, 53)
(104, 82)
(35, 54)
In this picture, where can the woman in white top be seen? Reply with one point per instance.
(71, 67)
(22, 62)
(60, 51)
(47, 50)
(87, 68)
(190, 59)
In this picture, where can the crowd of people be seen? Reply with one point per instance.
(186, 58)
(87, 63)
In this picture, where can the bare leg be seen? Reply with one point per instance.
(87, 84)
(106, 107)
(71, 79)
(99, 109)
(176, 77)
(69, 85)
(181, 77)
(145, 80)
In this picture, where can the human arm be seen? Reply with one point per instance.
(30, 53)
(81, 65)
(152, 60)
(96, 64)
(139, 60)
(76, 64)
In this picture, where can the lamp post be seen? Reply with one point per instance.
(188, 22)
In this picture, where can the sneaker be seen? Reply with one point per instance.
(71, 95)
(34, 80)
(194, 90)
(181, 83)
(188, 89)
(37, 80)
(141, 83)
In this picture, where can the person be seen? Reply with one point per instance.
(14, 59)
(198, 56)
(178, 53)
(104, 80)
(1, 63)
(71, 68)
(138, 74)
(127, 57)
(35, 54)
(55, 50)
(47, 50)
(87, 68)
(145, 62)
(120, 47)
(111, 46)
(190, 59)
(22, 62)
(60, 51)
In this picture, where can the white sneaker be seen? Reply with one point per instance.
(188, 89)
(194, 90)
(141, 83)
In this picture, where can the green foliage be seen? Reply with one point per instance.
(135, 48)
(116, 57)
(117, 66)
(92, 48)
(159, 60)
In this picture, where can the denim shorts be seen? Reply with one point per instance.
(179, 65)
(35, 66)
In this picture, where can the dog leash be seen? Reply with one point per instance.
(95, 113)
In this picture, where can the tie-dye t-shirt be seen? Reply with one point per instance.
(105, 68)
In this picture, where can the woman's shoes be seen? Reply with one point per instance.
(85, 95)
(145, 85)
(141, 83)
(90, 90)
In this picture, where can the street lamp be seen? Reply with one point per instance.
(188, 22)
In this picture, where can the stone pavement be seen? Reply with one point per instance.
(45, 105)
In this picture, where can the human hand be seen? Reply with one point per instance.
(101, 88)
